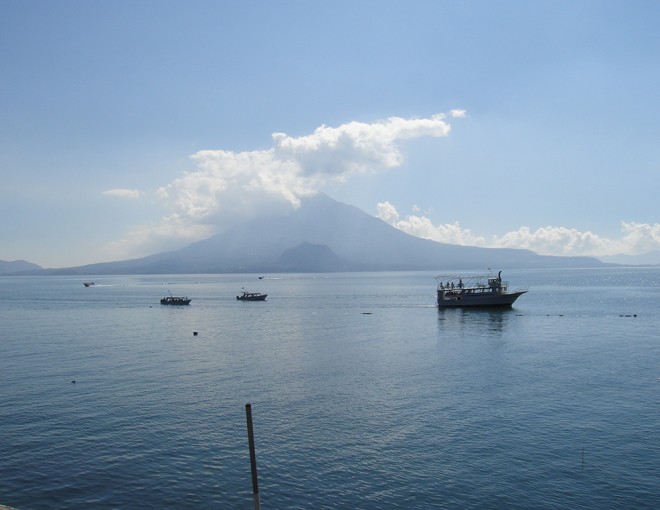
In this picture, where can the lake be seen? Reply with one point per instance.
(364, 394)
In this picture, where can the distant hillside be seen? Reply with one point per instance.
(17, 266)
(324, 235)
(651, 258)
(312, 258)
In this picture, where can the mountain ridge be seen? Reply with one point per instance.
(8, 267)
(651, 258)
(323, 235)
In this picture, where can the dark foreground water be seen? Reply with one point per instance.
(363, 394)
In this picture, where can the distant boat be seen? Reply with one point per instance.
(175, 300)
(475, 290)
(88, 284)
(251, 296)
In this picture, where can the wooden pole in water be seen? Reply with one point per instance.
(253, 457)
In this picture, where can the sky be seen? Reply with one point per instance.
(131, 127)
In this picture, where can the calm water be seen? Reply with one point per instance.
(363, 394)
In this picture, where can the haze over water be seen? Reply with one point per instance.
(364, 394)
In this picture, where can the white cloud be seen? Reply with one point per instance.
(420, 226)
(356, 147)
(636, 238)
(142, 240)
(641, 237)
(388, 213)
(458, 114)
(557, 241)
(227, 186)
(122, 193)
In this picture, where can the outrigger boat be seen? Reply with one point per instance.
(475, 290)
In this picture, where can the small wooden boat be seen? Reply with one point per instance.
(251, 296)
(175, 300)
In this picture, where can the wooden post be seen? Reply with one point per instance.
(253, 457)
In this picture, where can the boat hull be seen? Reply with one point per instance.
(484, 300)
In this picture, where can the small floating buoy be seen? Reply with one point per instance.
(194, 333)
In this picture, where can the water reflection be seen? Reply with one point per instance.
(483, 320)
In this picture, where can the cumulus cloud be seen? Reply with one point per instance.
(356, 147)
(636, 238)
(122, 193)
(457, 114)
(557, 241)
(146, 239)
(227, 186)
(641, 237)
(421, 226)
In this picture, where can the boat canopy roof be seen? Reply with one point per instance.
(467, 277)
(470, 280)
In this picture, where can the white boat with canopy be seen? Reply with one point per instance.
(483, 290)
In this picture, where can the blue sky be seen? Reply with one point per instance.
(132, 127)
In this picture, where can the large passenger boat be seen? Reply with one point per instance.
(485, 290)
